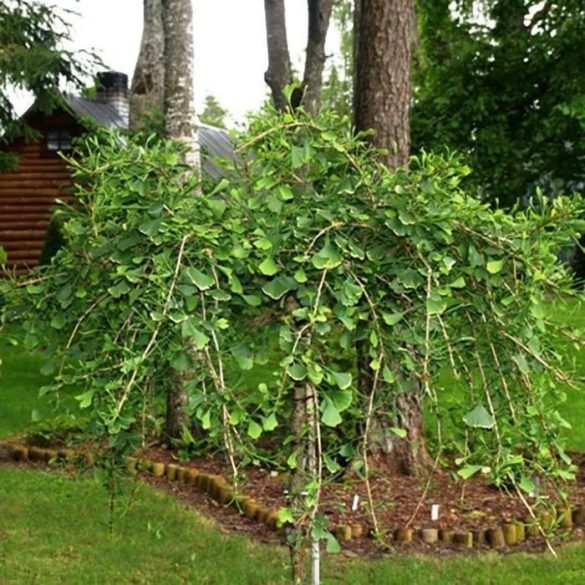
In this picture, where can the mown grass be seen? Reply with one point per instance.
(54, 528)
(20, 382)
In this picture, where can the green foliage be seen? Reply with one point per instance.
(290, 263)
(214, 113)
(501, 82)
(53, 239)
(32, 57)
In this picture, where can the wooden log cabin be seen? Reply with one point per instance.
(28, 195)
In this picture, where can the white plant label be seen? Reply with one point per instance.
(354, 504)
(435, 512)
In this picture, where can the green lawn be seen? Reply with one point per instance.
(53, 529)
(20, 382)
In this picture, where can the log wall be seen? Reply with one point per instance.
(27, 197)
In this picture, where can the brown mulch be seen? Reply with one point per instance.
(399, 502)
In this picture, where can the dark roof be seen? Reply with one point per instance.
(215, 142)
(104, 114)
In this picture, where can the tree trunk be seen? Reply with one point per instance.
(319, 17)
(279, 74)
(385, 33)
(180, 124)
(147, 91)
(179, 103)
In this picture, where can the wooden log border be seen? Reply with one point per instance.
(506, 534)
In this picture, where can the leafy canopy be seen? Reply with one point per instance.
(307, 248)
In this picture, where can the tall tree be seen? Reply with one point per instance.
(33, 58)
(382, 77)
(163, 82)
(179, 100)
(383, 45)
(319, 17)
(501, 81)
(214, 113)
(180, 124)
(148, 81)
(279, 73)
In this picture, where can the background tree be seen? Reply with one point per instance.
(502, 82)
(279, 73)
(33, 58)
(148, 81)
(384, 37)
(214, 113)
(338, 87)
(385, 34)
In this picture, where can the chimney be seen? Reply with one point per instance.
(113, 89)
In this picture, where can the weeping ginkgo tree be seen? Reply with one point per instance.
(264, 291)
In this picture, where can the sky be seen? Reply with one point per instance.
(229, 40)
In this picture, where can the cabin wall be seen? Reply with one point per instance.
(27, 197)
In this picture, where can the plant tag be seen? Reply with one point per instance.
(354, 504)
(435, 512)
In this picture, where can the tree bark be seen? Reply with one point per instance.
(148, 81)
(181, 125)
(319, 17)
(279, 74)
(385, 34)
(179, 102)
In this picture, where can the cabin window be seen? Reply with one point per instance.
(58, 139)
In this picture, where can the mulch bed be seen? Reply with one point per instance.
(399, 502)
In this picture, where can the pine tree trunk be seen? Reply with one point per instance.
(319, 17)
(279, 74)
(147, 91)
(384, 35)
(385, 32)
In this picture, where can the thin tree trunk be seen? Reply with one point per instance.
(179, 102)
(279, 74)
(148, 81)
(181, 124)
(319, 17)
(385, 33)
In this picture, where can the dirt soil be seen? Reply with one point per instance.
(399, 502)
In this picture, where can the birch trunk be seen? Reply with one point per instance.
(181, 125)
(148, 81)
(179, 101)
